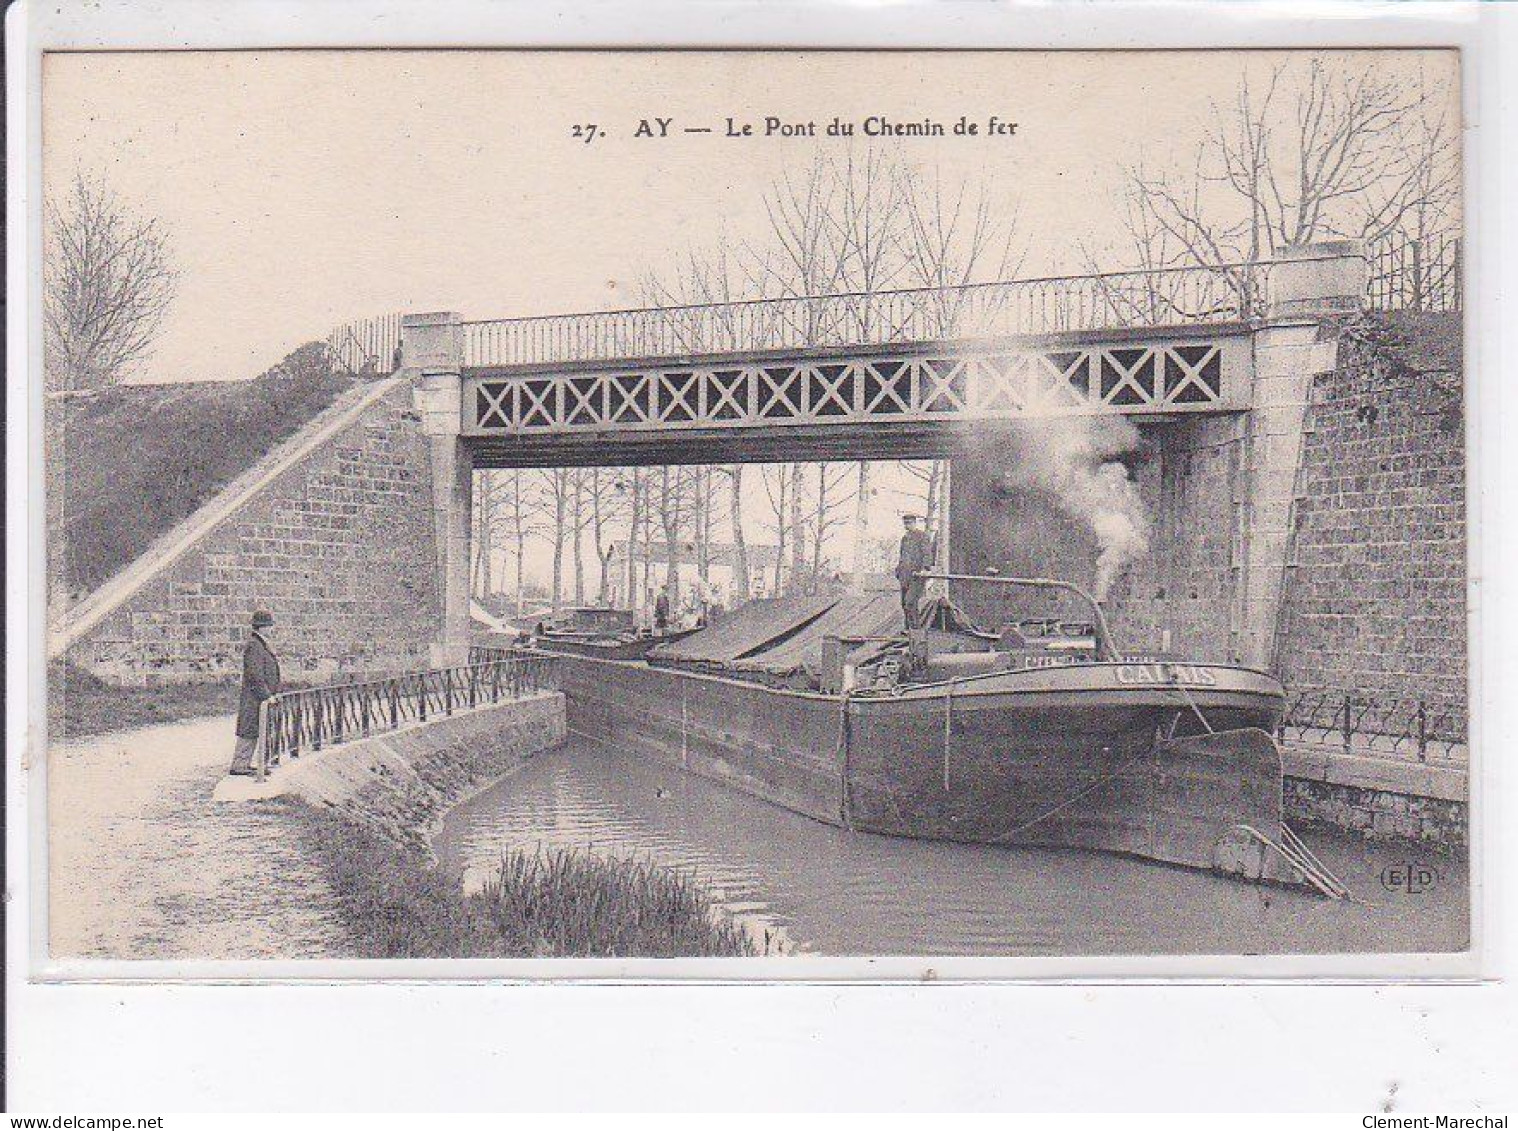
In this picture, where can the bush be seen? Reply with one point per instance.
(139, 459)
(79, 704)
(546, 904)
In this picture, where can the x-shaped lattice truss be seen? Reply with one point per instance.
(1138, 379)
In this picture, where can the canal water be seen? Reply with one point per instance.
(823, 890)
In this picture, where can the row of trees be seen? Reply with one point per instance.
(663, 517)
(1304, 151)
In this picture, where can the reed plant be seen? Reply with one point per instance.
(570, 903)
(544, 903)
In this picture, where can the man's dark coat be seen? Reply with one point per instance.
(914, 556)
(260, 679)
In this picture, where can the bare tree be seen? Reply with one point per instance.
(486, 516)
(524, 510)
(674, 504)
(930, 479)
(863, 495)
(609, 503)
(579, 518)
(830, 502)
(952, 239)
(716, 281)
(843, 234)
(503, 519)
(109, 281)
(1307, 152)
(742, 583)
(648, 538)
(798, 531)
(778, 484)
(637, 509)
(556, 488)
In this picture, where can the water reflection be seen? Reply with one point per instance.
(823, 890)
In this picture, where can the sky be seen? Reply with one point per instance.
(306, 188)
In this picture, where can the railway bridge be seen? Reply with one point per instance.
(1214, 365)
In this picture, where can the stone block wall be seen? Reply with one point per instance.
(1378, 814)
(1187, 472)
(339, 546)
(1376, 594)
(1179, 596)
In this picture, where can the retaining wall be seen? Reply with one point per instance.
(1375, 600)
(1178, 594)
(1380, 798)
(1374, 595)
(402, 783)
(333, 533)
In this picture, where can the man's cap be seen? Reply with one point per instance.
(909, 517)
(263, 619)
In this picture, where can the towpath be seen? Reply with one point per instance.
(143, 864)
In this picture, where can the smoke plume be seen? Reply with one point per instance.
(1071, 460)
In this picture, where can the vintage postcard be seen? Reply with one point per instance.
(719, 504)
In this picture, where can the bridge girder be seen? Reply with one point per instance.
(804, 444)
(881, 402)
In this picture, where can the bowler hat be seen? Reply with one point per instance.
(262, 619)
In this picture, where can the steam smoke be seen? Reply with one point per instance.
(1070, 459)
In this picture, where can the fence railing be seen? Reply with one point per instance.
(295, 722)
(1364, 724)
(1402, 274)
(369, 347)
(1165, 296)
(1416, 274)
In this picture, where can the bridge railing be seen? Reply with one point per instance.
(368, 347)
(296, 722)
(1421, 275)
(1386, 726)
(1057, 304)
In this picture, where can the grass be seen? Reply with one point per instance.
(140, 458)
(80, 705)
(548, 904)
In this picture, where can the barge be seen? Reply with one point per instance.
(1040, 733)
(606, 633)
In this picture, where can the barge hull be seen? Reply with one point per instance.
(1059, 769)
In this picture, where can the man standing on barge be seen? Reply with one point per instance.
(915, 555)
(260, 680)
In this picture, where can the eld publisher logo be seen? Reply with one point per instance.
(1409, 878)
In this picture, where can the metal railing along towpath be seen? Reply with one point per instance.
(296, 722)
(1384, 726)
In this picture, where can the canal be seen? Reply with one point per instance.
(823, 890)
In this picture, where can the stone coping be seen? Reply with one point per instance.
(1445, 781)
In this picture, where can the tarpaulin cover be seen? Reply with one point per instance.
(857, 615)
(749, 627)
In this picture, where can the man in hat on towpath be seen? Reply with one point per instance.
(916, 555)
(260, 680)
